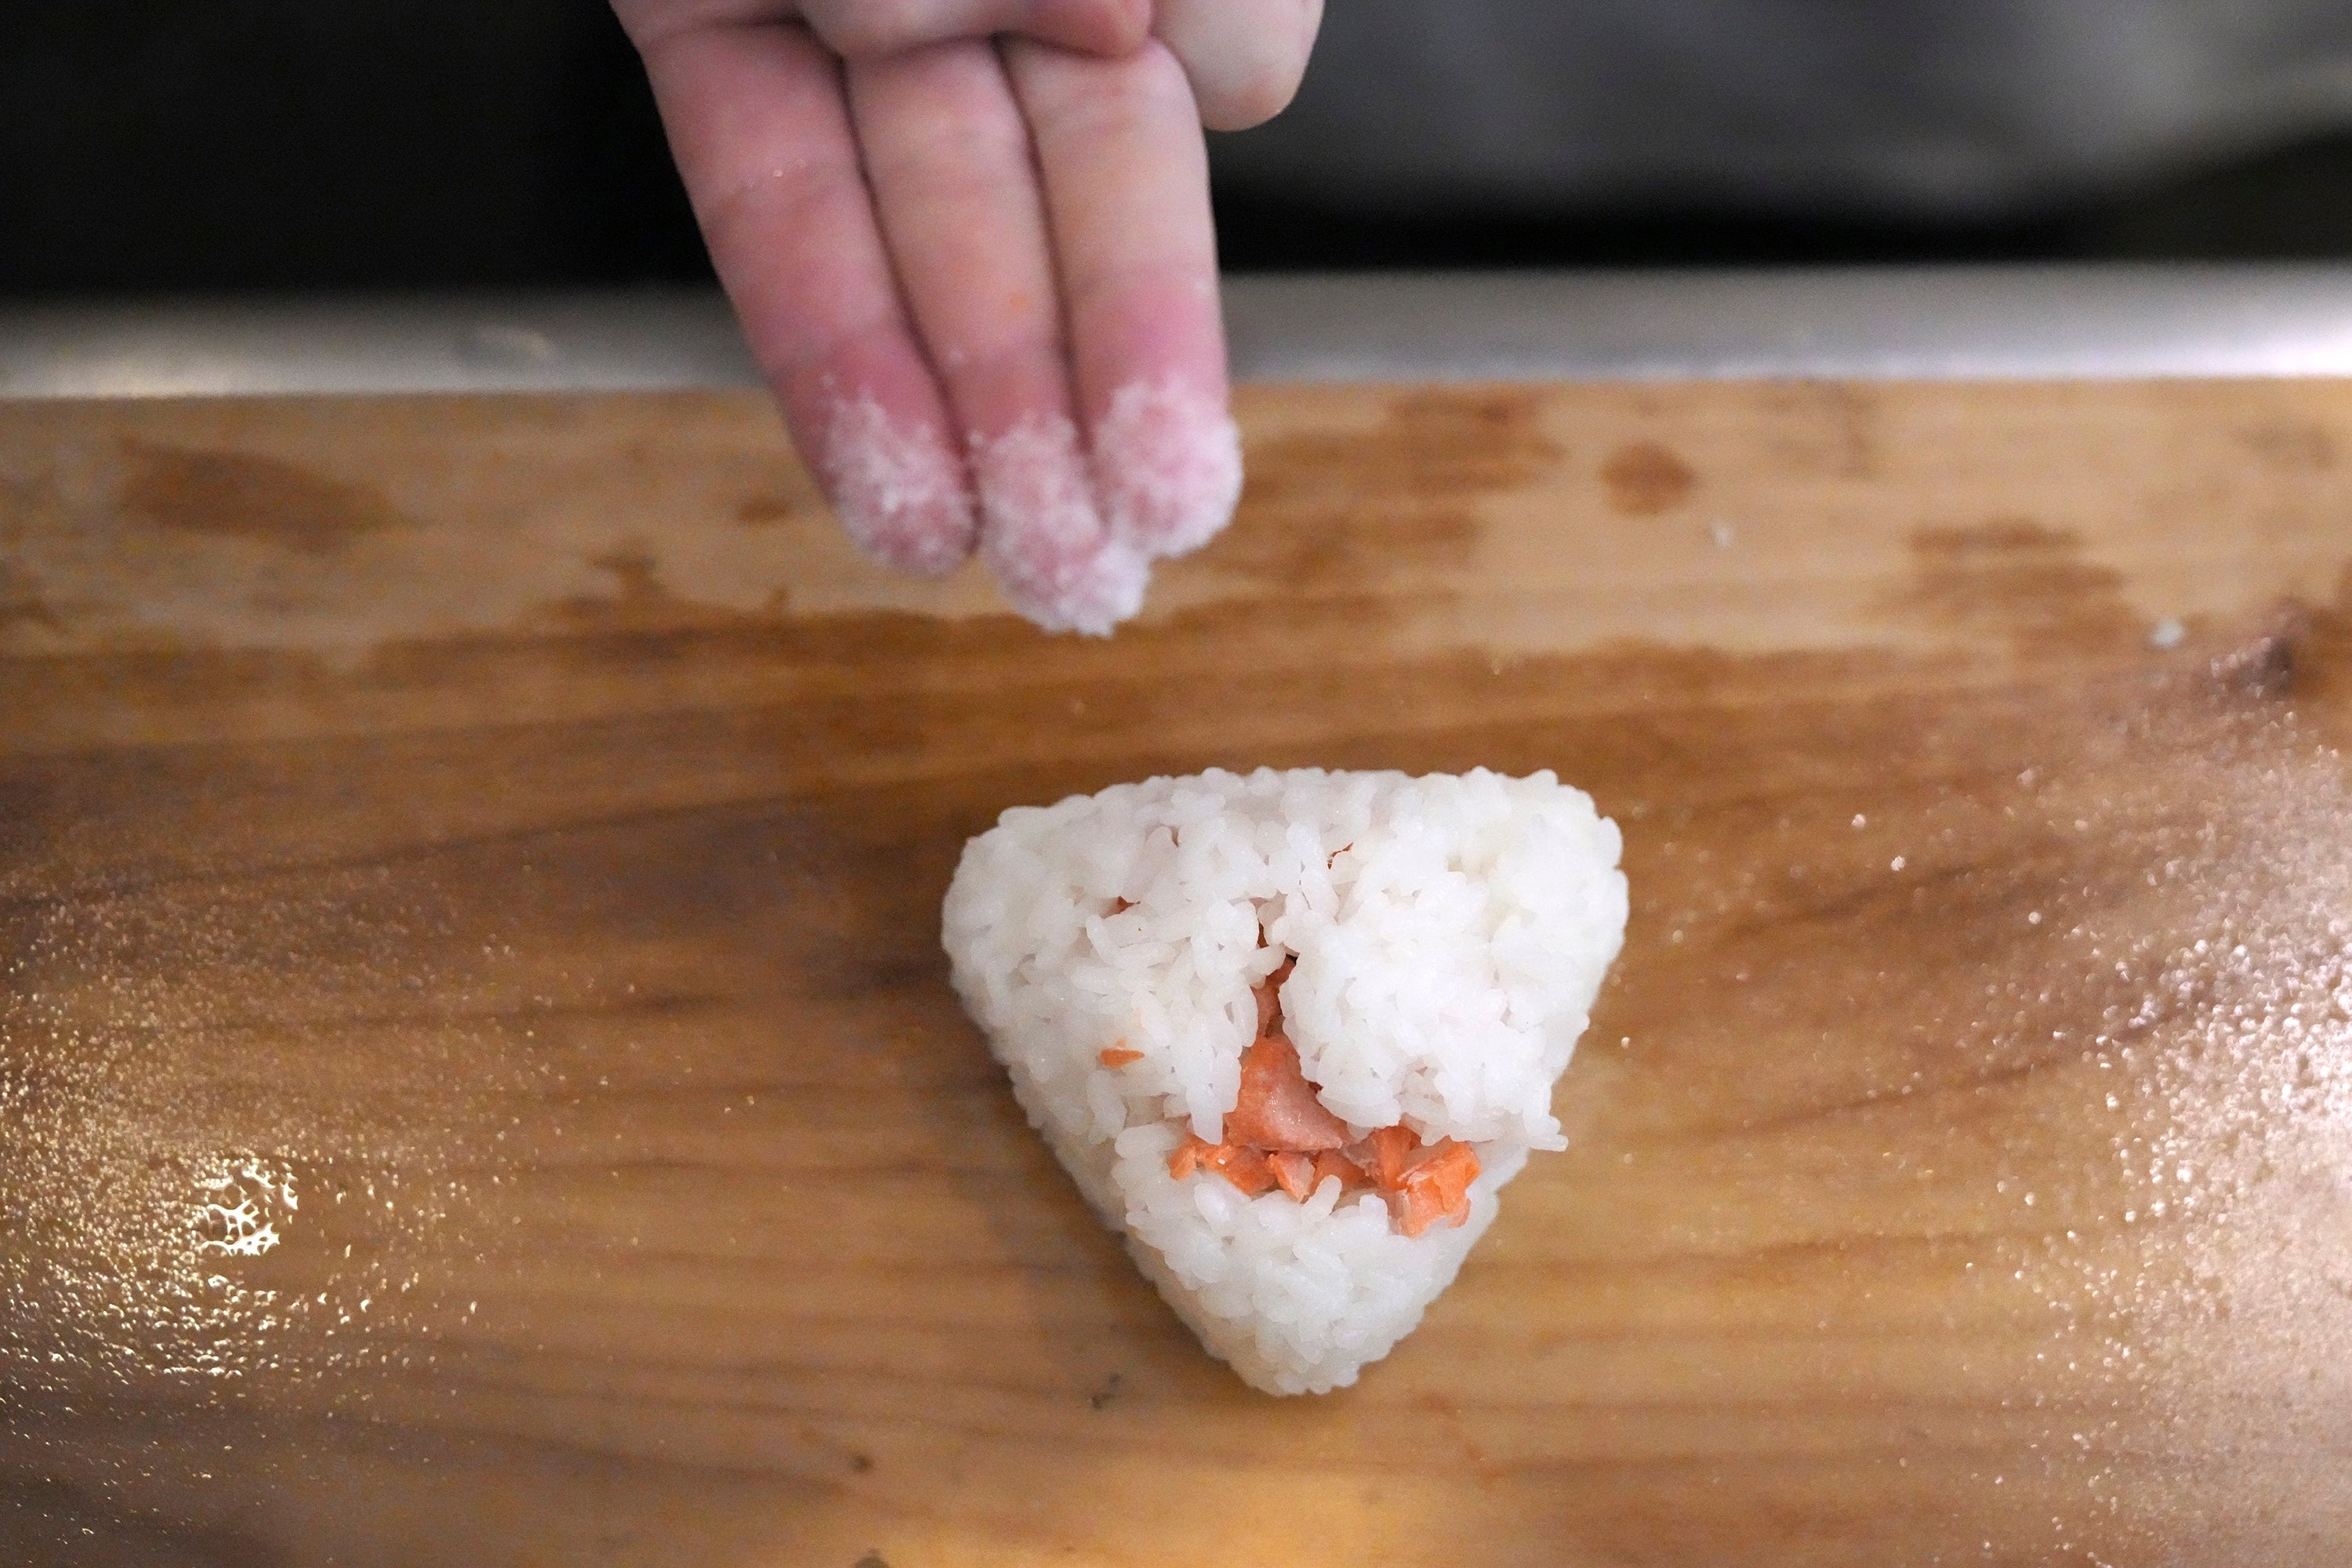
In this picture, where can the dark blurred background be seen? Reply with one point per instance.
(266, 145)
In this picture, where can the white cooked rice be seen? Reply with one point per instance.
(1451, 933)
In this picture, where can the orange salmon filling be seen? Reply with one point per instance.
(1279, 1135)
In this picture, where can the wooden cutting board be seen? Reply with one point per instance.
(478, 1082)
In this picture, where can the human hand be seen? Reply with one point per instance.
(970, 244)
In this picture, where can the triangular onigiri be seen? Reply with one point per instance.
(1291, 1033)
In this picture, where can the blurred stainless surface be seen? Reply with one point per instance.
(1865, 323)
(1862, 323)
(492, 342)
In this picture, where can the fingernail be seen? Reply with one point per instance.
(897, 488)
(1043, 536)
(1168, 464)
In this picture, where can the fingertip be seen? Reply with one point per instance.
(1092, 595)
(1244, 61)
(1168, 464)
(1246, 103)
(895, 486)
(1043, 535)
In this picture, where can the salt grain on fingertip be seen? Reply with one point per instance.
(1168, 465)
(897, 487)
(1043, 535)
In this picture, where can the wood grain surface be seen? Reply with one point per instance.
(477, 1083)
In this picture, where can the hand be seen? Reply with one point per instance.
(970, 244)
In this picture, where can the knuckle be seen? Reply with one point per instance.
(862, 29)
(1147, 85)
(1124, 24)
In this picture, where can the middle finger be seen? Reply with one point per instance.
(948, 155)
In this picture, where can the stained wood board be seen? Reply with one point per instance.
(495, 846)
